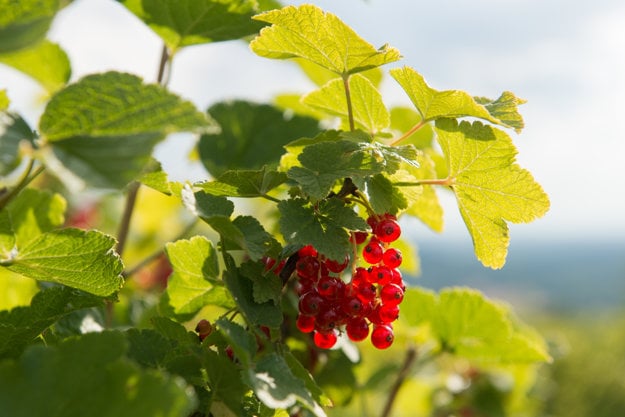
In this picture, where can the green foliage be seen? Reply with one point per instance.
(203, 258)
(45, 62)
(192, 22)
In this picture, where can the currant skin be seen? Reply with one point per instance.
(363, 307)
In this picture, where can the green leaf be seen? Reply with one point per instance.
(267, 285)
(244, 183)
(207, 206)
(15, 290)
(80, 259)
(45, 62)
(224, 380)
(13, 130)
(147, 347)
(97, 380)
(276, 386)
(103, 127)
(426, 207)
(4, 100)
(34, 212)
(7, 235)
(24, 22)
(433, 104)
(468, 324)
(20, 326)
(243, 343)
(252, 136)
(324, 226)
(368, 109)
(308, 32)
(157, 179)
(323, 163)
(505, 108)
(300, 372)
(195, 280)
(321, 76)
(384, 196)
(182, 23)
(241, 288)
(490, 187)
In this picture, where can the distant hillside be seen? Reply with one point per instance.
(552, 275)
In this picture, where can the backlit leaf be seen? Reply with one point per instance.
(45, 62)
(79, 259)
(34, 212)
(13, 130)
(490, 187)
(433, 104)
(195, 280)
(4, 100)
(190, 22)
(320, 75)
(369, 112)
(308, 32)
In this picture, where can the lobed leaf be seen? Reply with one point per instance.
(97, 380)
(45, 62)
(426, 207)
(308, 32)
(183, 23)
(252, 136)
(103, 127)
(80, 259)
(194, 282)
(244, 183)
(368, 109)
(490, 187)
(34, 212)
(469, 325)
(325, 226)
(433, 104)
(22, 325)
(320, 75)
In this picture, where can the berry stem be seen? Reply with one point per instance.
(24, 180)
(348, 98)
(411, 355)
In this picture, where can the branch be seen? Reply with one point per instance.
(411, 355)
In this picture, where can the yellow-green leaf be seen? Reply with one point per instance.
(489, 186)
(4, 100)
(308, 32)
(45, 62)
(433, 104)
(368, 109)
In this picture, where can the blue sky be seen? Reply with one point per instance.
(565, 57)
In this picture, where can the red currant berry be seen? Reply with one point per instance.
(392, 257)
(308, 267)
(397, 279)
(391, 294)
(387, 230)
(335, 266)
(357, 329)
(305, 324)
(373, 221)
(310, 303)
(352, 306)
(203, 328)
(308, 250)
(388, 313)
(382, 336)
(329, 287)
(328, 319)
(373, 252)
(325, 340)
(359, 237)
(360, 277)
(380, 275)
(366, 293)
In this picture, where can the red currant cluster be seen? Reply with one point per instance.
(328, 304)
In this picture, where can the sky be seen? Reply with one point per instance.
(566, 58)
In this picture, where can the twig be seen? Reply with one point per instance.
(411, 355)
